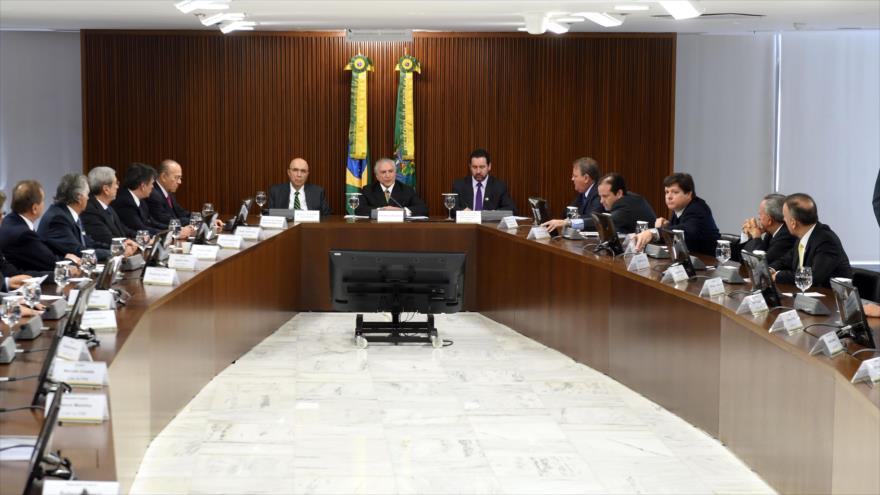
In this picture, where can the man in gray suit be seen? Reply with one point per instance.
(297, 194)
(626, 207)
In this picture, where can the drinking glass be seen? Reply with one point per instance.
(803, 278)
(260, 199)
(32, 293)
(207, 211)
(11, 311)
(62, 273)
(571, 212)
(174, 230)
(89, 261)
(354, 200)
(722, 251)
(195, 220)
(641, 226)
(143, 238)
(449, 201)
(117, 246)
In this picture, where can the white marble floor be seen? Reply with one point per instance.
(307, 412)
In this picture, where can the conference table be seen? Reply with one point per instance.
(795, 418)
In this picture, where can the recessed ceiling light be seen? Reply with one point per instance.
(602, 19)
(523, 29)
(631, 7)
(679, 9)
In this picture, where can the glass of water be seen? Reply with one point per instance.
(143, 238)
(195, 220)
(62, 273)
(174, 230)
(722, 251)
(449, 201)
(260, 199)
(354, 200)
(32, 293)
(803, 278)
(641, 226)
(117, 246)
(207, 211)
(89, 261)
(11, 311)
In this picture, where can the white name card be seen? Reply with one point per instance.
(71, 349)
(754, 304)
(79, 373)
(66, 487)
(788, 321)
(638, 263)
(205, 252)
(713, 287)
(229, 241)
(508, 223)
(469, 217)
(676, 273)
(390, 216)
(869, 371)
(828, 344)
(538, 233)
(101, 299)
(99, 320)
(248, 233)
(186, 262)
(155, 275)
(270, 222)
(81, 408)
(307, 216)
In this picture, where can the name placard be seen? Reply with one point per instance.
(67, 487)
(675, 273)
(389, 216)
(71, 349)
(869, 371)
(713, 287)
(538, 233)
(468, 217)
(205, 252)
(754, 304)
(185, 262)
(99, 320)
(508, 223)
(81, 408)
(155, 275)
(101, 299)
(229, 241)
(307, 216)
(638, 263)
(79, 373)
(788, 321)
(248, 233)
(270, 222)
(828, 344)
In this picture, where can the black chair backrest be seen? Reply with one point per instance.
(868, 283)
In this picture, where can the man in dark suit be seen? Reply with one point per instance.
(18, 238)
(817, 247)
(768, 233)
(626, 207)
(99, 219)
(297, 193)
(876, 200)
(480, 191)
(584, 174)
(61, 229)
(131, 205)
(11, 277)
(388, 193)
(689, 213)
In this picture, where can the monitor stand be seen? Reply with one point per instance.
(396, 331)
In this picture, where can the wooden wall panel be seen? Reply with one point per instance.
(233, 110)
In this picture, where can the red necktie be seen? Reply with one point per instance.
(168, 199)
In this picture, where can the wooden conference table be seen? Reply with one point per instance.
(794, 418)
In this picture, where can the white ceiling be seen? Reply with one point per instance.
(487, 15)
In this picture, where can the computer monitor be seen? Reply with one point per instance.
(35, 469)
(539, 213)
(79, 307)
(108, 275)
(43, 385)
(206, 230)
(372, 281)
(157, 251)
(852, 314)
(608, 239)
(759, 273)
(241, 217)
(678, 251)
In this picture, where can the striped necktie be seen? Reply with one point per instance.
(296, 204)
(801, 249)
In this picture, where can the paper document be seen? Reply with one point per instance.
(10, 453)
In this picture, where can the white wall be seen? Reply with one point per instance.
(40, 108)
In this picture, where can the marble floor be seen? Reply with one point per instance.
(307, 412)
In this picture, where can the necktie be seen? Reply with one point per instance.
(82, 234)
(801, 248)
(168, 200)
(296, 204)
(478, 201)
(387, 196)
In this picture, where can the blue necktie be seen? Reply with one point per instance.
(82, 234)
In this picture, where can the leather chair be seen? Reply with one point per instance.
(868, 283)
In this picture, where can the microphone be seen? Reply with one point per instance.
(405, 213)
(4, 379)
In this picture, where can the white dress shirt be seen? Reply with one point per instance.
(302, 197)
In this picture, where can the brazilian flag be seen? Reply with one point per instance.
(357, 166)
(404, 125)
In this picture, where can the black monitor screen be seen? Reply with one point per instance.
(678, 250)
(539, 212)
(35, 471)
(759, 273)
(852, 314)
(370, 281)
(79, 307)
(108, 276)
(42, 379)
(607, 232)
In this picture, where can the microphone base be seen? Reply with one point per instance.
(810, 306)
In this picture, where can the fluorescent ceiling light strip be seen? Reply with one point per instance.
(223, 16)
(602, 19)
(679, 9)
(631, 7)
(557, 27)
(187, 6)
(568, 20)
(237, 26)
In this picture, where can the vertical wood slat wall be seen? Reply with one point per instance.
(233, 110)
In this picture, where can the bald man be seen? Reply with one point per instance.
(162, 202)
(297, 193)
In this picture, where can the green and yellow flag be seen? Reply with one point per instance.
(404, 125)
(357, 167)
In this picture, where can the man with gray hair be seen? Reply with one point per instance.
(100, 220)
(388, 193)
(61, 228)
(768, 232)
